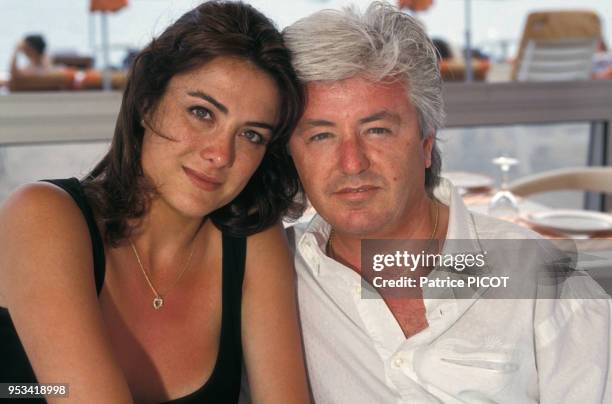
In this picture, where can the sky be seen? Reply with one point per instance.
(68, 25)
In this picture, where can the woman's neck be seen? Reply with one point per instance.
(163, 235)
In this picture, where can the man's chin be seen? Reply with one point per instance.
(361, 226)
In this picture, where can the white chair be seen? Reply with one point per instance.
(592, 179)
(557, 60)
(557, 45)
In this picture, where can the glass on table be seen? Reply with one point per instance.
(504, 203)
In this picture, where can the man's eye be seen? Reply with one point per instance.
(254, 137)
(201, 113)
(379, 131)
(319, 136)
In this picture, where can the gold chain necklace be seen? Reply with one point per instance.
(329, 248)
(158, 299)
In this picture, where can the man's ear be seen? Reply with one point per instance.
(427, 144)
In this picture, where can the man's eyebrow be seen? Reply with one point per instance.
(318, 122)
(204, 96)
(379, 116)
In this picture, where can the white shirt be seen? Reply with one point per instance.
(473, 351)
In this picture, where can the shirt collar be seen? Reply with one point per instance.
(460, 222)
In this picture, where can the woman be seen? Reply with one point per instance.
(151, 277)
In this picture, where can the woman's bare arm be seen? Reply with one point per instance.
(270, 330)
(47, 284)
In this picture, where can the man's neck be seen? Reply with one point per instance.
(431, 222)
(418, 223)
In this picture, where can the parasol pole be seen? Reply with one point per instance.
(92, 34)
(468, 40)
(106, 73)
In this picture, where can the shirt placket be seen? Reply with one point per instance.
(398, 353)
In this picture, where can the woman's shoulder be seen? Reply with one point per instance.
(41, 230)
(268, 254)
(42, 204)
(269, 241)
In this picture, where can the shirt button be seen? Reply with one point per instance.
(398, 362)
(357, 290)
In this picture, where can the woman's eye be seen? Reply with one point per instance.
(254, 137)
(201, 113)
(379, 131)
(319, 136)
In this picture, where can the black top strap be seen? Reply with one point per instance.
(73, 187)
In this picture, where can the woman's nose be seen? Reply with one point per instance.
(220, 152)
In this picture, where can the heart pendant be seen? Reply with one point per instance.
(158, 302)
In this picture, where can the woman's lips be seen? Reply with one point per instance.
(202, 181)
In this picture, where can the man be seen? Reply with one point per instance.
(365, 150)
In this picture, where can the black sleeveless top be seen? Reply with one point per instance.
(223, 386)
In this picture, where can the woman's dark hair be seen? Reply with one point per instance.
(117, 188)
(36, 42)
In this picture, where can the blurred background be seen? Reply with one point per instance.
(69, 26)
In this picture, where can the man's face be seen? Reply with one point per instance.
(360, 156)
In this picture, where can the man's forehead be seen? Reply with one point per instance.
(355, 93)
(354, 83)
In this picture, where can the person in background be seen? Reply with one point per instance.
(33, 48)
(157, 275)
(128, 60)
(443, 49)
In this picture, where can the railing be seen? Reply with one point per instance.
(58, 117)
(483, 104)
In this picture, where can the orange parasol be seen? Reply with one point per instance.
(415, 5)
(107, 5)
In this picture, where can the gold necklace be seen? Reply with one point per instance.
(158, 299)
(329, 248)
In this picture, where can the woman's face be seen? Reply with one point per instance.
(208, 134)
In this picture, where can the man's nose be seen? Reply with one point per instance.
(220, 151)
(353, 157)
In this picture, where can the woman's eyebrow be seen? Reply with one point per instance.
(225, 110)
(262, 125)
(209, 98)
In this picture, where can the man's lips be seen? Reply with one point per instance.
(356, 194)
(202, 180)
(354, 190)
